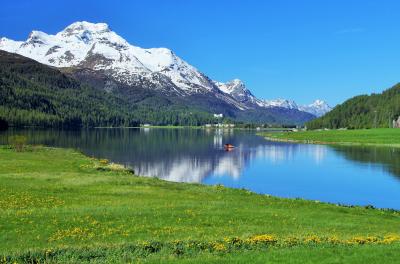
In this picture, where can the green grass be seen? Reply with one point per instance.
(380, 136)
(298, 255)
(58, 205)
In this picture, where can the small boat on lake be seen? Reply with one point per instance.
(229, 147)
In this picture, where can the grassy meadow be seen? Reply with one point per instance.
(59, 206)
(378, 137)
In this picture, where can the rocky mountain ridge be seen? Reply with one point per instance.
(84, 45)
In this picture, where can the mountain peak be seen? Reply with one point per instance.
(84, 28)
(236, 85)
(285, 103)
(232, 86)
(318, 108)
(319, 102)
(84, 25)
(35, 34)
(237, 81)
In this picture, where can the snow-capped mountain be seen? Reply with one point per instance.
(317, 108)
(84, 45)
(95, 46)
(285, 103)
(238, 90)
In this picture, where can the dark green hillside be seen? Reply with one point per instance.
(32, 94)
(37, 95)
(364, 111)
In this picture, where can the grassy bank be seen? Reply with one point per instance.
(375, 137)
(58, 205)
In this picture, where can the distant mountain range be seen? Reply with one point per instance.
(238, 90)
(96, 56)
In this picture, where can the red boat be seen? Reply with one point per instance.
(229, 147)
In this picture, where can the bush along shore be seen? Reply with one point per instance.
(58, 206)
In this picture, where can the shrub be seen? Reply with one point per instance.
(18, 142)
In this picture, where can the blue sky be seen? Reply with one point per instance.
(296, 49)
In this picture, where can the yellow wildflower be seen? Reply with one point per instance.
(312, 239)
(219, 247)
(262, 239)
(388, 239)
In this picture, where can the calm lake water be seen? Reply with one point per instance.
(346, 175)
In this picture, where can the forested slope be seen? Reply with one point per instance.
(32, 94)
(364, 111)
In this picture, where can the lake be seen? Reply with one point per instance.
(336, 174)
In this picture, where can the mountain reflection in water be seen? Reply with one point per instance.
(351, 175)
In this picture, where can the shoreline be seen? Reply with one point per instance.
(272, 129)
(121, 167)
(77, 207)
(313, 142)
(378, 137)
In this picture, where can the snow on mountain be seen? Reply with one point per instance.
(235, 86)
(238, 91)
(317, 108)
(290, 104)
(97, 47)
